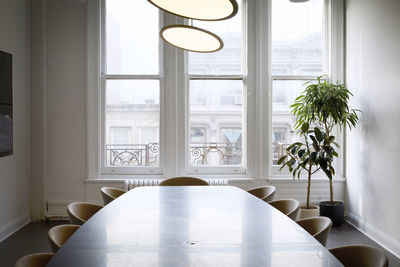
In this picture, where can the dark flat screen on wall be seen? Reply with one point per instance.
(6, 105)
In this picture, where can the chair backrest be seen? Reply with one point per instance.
(34, 260)
(59, 234)
(265, 193)
(318, 227)
(183, 181)
(110, 193)
(80, 212)
(289, 207)
(360, 255)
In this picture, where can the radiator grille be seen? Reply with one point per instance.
(132, 183)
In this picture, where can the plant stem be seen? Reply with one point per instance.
(308, 187)
(331, 190)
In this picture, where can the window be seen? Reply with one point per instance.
(217, 81)
(297, 37)
(163, 111)
(298, 55)
(132, 78)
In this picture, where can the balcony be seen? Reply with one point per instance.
(201, 154)
(133, 155)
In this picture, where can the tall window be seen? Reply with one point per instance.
(166, 112)
(298, 56)
(216, 91)
(132, 79)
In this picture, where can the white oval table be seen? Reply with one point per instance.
(191, 226)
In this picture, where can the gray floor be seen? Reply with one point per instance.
(348, 235)
(33, 238)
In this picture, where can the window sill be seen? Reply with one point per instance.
(320, 180)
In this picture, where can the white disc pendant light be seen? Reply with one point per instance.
(191, 38)
(199, 9)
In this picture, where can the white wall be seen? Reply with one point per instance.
(373, 150)
(58, 67)
(15, 169)
(58, 102)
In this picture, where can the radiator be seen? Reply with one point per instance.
(132, 183)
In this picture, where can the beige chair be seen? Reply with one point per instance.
(59, 234)
(265, 193)
(318, 227)
(80, 212)
(110, 193)
(34, 260)
(289, 207)
(178, 181)
(360, 255)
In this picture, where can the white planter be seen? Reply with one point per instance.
(307, 213)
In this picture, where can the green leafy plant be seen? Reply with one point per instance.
(315, 152)
(325, 105)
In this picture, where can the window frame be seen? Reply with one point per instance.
(332, 66)
(232, 170)
(174, 126)
(105, 169)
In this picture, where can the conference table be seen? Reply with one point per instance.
(191, 226)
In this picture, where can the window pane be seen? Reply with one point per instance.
(297, 37)
(222, 112)
(197, 134)
(284, 93)
(132, 105)
(120, 136)
(132, 37)
(229, 59)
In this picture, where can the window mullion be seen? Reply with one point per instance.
(132, 77)
(216, 77)
(294, 77)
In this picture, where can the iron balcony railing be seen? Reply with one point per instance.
(133, 154)
(201, 154)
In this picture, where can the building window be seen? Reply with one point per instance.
(279, 139)
(197, 135)
(298, 55)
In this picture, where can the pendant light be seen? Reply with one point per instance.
(191, 38)
(199, 9)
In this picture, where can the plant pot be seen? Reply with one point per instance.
(307, 213)
(334, 211)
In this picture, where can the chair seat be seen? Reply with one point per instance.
(110, 193)
(183, 181)
(318, 227)
(289, 207)
(265, 193)
(80, 212)
(360, 255)
(59, 234)
(34, 260)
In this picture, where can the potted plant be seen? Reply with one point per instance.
(310, 155)
(326, 105)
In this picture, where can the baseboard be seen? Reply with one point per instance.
(383, 239)
(14, 225)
